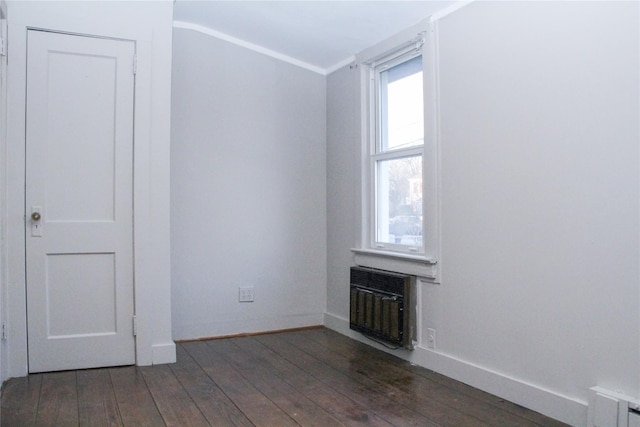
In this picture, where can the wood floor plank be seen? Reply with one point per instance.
(305, 377)
(375, 401)
(20, 401)
(256, 406)
(97, 405)
(58, 403)
(136, 405)
(384, 371)
(217, 408)
(173, 402)
(395, 386)
(491, 408)
(341, 405)
(256, 370)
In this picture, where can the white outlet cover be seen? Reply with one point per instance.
(245, 294)
(431, 338)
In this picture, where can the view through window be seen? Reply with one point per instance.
(397, 160)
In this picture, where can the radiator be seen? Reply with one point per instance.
(382, 306)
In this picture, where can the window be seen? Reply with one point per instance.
(396, 159)
(400, 157)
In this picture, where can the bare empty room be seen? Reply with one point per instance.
(320, 212)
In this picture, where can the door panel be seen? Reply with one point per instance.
(90, 172)
(66, 279)
(79, 166)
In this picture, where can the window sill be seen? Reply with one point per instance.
(416, 265)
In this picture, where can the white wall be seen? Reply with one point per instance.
(150, 25)
(540, 202)
(540, 159)
(248, 190)
(343, 175)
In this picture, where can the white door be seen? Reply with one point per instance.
(79, 201)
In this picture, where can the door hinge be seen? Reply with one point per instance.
(135, 64)
(3, 46)
(135, 326)
(4, 331)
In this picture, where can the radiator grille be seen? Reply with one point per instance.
(381, 305)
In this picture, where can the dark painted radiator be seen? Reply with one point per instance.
(382, 306)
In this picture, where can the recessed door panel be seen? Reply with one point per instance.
(81, 121)
(86, 278)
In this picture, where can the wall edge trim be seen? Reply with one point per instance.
(163, 353)
(251, 46)
(451, 9)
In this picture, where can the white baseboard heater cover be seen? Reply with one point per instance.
(382, 306)
(611, 409)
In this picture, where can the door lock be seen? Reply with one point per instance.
(36, 225)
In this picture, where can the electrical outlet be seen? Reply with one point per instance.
(431, 338)
(245, 294)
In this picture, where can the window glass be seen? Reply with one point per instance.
(401, 105)
(398, 155)
(399, 201)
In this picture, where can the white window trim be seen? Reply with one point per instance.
(427, 263)
(398, 261)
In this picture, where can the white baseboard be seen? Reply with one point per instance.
(229, 327)
(536, 398)
(164, 353)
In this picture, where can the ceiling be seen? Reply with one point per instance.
(322, 34)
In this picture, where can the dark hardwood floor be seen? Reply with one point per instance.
(311, 377)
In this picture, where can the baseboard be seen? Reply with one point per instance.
(546, 402)
(231, 327)
(252, 334)
(163, 353)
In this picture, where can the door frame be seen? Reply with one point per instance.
(3, 185)
(152, 285)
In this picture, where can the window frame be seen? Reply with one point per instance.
(376, 151)
(424, 262)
